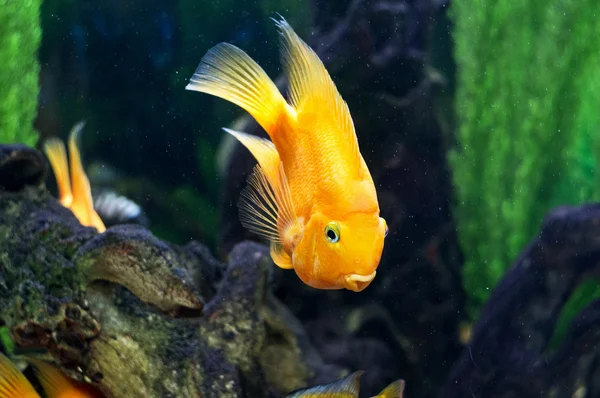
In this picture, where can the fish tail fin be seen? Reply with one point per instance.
(57, 384)
(229, 73)
(57, 155)
(394, 390)
(83, 206)
(13, 383)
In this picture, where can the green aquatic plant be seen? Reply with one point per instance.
(20, 35)
(528, 112)
(8, 345)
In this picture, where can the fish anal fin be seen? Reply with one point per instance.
(83, 204)
(263, 150)
(276, 188)
(280, 257)
(227, 72)
(394, 390)
(13, 383)
(57, 155)
(317, 102)
(266, 206)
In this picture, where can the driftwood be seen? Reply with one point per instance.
(508, 355)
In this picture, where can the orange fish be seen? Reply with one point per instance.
(13, 384)
(79, 199)
(348, 387)
(311, 195)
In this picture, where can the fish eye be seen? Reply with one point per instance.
(332, 232)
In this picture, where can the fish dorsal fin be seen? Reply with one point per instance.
(312, 92)
(266, 206)
(13, 383)
(349, 386)
(83, 204)
(229, 73)
(57, 155)
(394, 390)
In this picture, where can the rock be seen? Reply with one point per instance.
(131, 256)
(136, 316)
(20, 166)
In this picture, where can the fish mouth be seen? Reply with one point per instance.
(357, 283)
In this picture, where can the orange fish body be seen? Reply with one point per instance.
(13, 384)
(312, 195)
(74, 191)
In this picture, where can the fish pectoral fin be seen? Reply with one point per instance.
(83, 204)
(229, 73)
(280, 257)
(12, 382)
(266, 206)
(349, 386)
(258, 207)
(57, 155)
(394, 390)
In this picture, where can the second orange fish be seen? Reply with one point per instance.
(74, 192)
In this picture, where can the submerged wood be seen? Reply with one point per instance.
(508, 355)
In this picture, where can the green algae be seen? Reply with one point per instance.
(20, 36)
(146, 371)
(528, 94)
(7, 342)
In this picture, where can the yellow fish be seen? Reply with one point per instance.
(311, 194)
(79, 199)
(348, 387)
(13, 384)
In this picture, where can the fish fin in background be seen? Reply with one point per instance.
(312, 91)
(96, 221)
(280, 257)
(83, 204)
(349, 386)
(229, 73)
(13, 384)
(57, 384)
(57, 155)
(394, 390)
